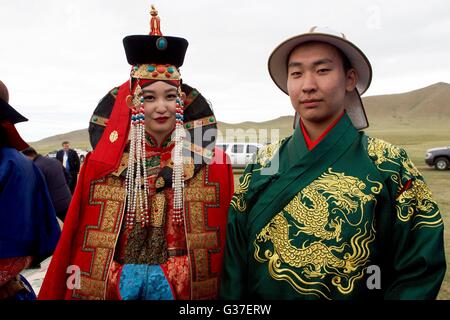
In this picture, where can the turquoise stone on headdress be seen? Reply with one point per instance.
(161, 43)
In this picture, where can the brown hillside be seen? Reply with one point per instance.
(429, 104)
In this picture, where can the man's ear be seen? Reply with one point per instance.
(182, 96)
(351, 79)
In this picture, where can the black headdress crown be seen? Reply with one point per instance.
(155, 48)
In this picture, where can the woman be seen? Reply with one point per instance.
(149, 212)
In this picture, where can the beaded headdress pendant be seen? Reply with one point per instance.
(137, 187)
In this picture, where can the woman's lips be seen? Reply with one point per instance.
(161, 119)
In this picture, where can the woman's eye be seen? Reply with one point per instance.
(171, 96)
(149, 98)
(323, 70)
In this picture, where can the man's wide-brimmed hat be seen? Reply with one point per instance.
(278, 62)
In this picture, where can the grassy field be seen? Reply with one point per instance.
(416, 139)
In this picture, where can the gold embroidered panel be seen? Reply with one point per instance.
(203, 240)
(100, 239)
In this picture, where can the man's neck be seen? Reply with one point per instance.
(316, 129)
(320, 132)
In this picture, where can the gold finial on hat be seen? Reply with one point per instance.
(155, 22)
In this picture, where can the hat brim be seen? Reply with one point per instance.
(355, 110)
(8, 113)
(278, 62)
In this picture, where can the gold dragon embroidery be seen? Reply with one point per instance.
(238, 201)
(317, 259)
(335, 187)
(415, 202)
(263, 158)
(265, 154)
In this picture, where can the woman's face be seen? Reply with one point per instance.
(160, 107)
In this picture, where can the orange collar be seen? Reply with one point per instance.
(311, 144)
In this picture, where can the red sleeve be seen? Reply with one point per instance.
(220, 173)
(54, 285)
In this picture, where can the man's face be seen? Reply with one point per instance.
(317, 83)
(66, 146)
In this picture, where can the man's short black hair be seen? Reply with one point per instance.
(64, 142)
(345, 61)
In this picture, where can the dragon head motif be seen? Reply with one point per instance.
(347, 192)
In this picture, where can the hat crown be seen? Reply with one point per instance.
(327, 30)
(155, 48)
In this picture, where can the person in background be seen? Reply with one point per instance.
(56, 182)
(29, 230)
(71, 162)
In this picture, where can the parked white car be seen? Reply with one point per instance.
(240, 153)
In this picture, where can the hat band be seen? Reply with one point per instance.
(155, 72)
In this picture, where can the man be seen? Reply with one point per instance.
(56, 181)
(330, 213)
(28, 227)
(71, 162)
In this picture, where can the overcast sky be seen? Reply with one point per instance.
(58, 58)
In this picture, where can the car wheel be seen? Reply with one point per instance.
(441, 164)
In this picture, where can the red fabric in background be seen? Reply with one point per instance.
(14, 139)
(11, 267)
